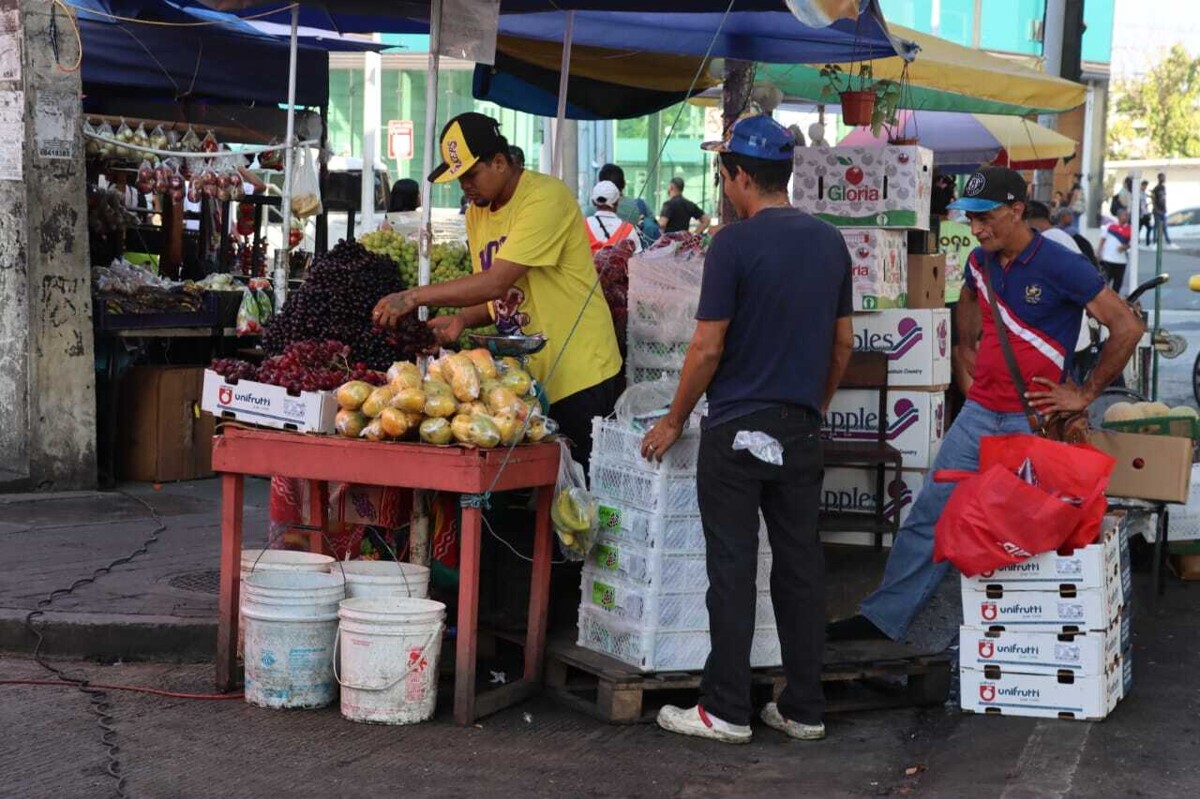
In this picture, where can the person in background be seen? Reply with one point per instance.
(405, 196)
(748, 304)
(635, 210)
(1114, 250)
(1123, 199)
(678, 212)
(1077, 207)
(1058, 202)
(1043, 292)
(1158, 197)
(1064, 220)
(518, 156)
(1145, 211)
(1037, 216)
(605, 226)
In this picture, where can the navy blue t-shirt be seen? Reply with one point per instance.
(782, 279)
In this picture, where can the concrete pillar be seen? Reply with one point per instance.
(47, 371)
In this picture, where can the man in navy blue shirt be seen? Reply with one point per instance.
(773, 338)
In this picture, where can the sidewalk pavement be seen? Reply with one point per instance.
(161, 606)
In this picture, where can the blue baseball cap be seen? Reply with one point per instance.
(756, 136)
(991, 187)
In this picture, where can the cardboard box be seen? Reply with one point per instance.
(1148, 467)
(165, 437)
(878, 260)
(926, 281)
(849, 490)
(1087, 654)
(1046, 695)
(1090, 567)
(270, 406)
(916, 421)
(1062, 610)
(956, 243)
(887, 187)
(917, 343)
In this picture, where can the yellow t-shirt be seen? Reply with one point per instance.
(542, 228)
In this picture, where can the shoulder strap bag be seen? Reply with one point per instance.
(1070, 427)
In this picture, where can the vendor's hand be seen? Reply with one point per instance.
(1057, 397)
(660, 439)
(392, 308)
(447, 329)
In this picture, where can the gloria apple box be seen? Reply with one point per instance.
(878, 266)
(886, 187)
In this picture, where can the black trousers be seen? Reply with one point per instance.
(574, 414)
(732, 487)
(1115, 273)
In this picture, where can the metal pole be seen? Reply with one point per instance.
(289, 158)
(372, 100)
(564, 71)
(1052, 46)
(419, 539)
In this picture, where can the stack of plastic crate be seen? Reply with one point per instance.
(664, 292)
(645, 581)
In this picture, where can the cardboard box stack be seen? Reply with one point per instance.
(645, 581)
(879, 198)
(1050, 637)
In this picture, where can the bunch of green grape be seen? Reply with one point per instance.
(449, 261)
(396, 246)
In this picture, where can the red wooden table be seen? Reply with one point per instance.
(324, 459)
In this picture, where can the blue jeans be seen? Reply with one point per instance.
(911, 576)
(1160, 228)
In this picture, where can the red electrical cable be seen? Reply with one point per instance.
(135, 688)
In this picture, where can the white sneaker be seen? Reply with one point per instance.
(802, 732)
(696, 722)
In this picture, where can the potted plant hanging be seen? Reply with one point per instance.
(858, 105)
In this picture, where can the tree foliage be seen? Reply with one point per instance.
(1158, 114)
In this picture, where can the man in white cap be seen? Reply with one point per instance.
(605, 227)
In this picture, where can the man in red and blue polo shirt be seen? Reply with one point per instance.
(1042, 289)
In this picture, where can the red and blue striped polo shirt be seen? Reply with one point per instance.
(1041, 295)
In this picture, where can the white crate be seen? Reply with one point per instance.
(657, 570)
(682, 533)
(615, 442)
(643, 487)
(649, 374)
(638, 604)
(663, 650)
(658, 354)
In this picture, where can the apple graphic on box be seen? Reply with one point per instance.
(854, 176)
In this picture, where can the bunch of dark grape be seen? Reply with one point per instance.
(232, 369)
(304, 366)
(336, 301)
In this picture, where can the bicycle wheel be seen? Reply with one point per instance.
(1109, 397)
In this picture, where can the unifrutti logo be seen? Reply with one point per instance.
(986, 649)
(987, 692)
(224, 395)
(988, 611)
(250, 398)
(851, 191)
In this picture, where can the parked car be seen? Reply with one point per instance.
(1184, 224)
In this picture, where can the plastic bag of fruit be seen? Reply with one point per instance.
(249, 315)
(574, 512)
(306, 185)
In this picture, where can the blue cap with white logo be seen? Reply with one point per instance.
(756, 136)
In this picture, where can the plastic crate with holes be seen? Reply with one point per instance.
(616, 442)
(648, 374)
(667, 493)
(682, 533)
(639, 604)
(664, 650)
(658, 570)
(656, 354)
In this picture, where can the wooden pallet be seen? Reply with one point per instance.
(858, 676)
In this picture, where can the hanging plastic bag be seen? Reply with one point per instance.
(574, 512)
(306, 185)
(1031, 496)
(124, 134)
(249, 316)
(159, 139)
(643, 404)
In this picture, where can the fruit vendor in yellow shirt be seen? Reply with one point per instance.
(533, 273)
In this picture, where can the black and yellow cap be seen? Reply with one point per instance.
(463, 139)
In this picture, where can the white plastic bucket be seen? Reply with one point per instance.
(366, 579)
(291, 630)
(390, 648)
(276, 560)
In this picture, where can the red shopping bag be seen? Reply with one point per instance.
(1072, 470)
(996, 518)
